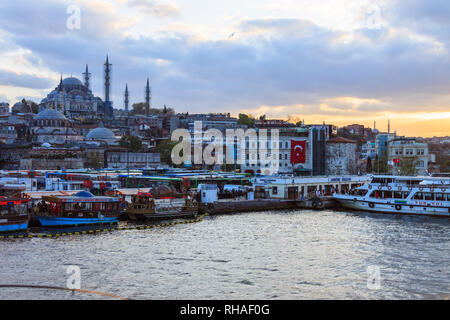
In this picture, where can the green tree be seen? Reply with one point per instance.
(246, 119)
(140, 107)
(380, 165)
(164, 148)
(408, 166)
(369, 165)
(131, 143)
(95, 160)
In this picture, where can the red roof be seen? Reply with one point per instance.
(340, 140)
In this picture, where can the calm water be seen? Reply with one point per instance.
(272, 255)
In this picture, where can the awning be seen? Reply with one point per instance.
(37, 195)
(132, 191)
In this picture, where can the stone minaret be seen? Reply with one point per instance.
(87, 77)
(126, 98)
(107, 79)
(147, 98)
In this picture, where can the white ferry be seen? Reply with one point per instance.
(400, 194)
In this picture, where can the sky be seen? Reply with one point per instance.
(338, 61)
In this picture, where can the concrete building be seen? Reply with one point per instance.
(340, 156)
(52, 159)
(401, 150)
(120, 158)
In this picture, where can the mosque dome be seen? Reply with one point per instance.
(101, 133)
(72, 81)
(50, 114)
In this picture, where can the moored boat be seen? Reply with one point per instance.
(13, 214)
(161, 203)
(80, 209)
(400, 195)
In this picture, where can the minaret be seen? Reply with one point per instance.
(147, 98)
(374, 124)
(126, 98)
(389, 126)
(107, 78)
(87, 76)
(60, 86)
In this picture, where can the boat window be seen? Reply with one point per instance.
(440, 197)
(387, 194)
(418, 196)
(398, 195)
(428, 196)
(375, 194)
(361, 193)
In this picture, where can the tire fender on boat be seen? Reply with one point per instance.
(371, 204)
(398, 207)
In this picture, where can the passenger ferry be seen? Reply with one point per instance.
(162, 202)
(81, 209)
(401, 195)
(13, 214)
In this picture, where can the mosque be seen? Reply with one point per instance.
(75, 99)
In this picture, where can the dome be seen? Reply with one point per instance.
(50, 114)
(84, 194)
(101, 133)
(46, 145)
(72, 81)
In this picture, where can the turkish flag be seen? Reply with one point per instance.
(298, 151)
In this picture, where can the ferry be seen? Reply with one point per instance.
(13, 214)
(400, 195)
(162, 202)
(83, 208)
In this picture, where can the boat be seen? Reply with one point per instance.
(13, 214)
(400, 195)
(83, 208)
(162, 202)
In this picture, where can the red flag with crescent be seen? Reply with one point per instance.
(298, 151)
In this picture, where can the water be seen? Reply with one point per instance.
(272, 255)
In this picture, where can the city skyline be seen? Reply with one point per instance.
(344, 62)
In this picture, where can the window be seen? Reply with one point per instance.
(418, 196)
(429, 196)
(397, 195)
(274, 190)
(387, 194)
(440, 197)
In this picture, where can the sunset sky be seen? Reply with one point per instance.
(338, 61)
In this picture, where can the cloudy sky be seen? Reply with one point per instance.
(338, 61)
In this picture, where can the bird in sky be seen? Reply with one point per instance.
(231, 35)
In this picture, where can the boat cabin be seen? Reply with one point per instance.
(13, 206)
(81, 204)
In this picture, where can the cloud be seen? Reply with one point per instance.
(279, 66)
(161, 10)
(8, 78)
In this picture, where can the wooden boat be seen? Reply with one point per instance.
(13, 214)
(163, 202)
(82, 208)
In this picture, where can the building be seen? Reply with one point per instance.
(120, 158)
(47, 158)
(102, 135)
(408, 154)
(51, 126)
(4, 107)
(75, 99)
(340, 156)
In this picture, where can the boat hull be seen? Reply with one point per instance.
(13, 224)
(393, 208)
(66, 221)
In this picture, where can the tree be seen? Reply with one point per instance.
(140, 107)
(95, 160)
(369, 165)
(408, 166)
(380, 165)
(131, 143)
(164, 148)
(246, 120)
